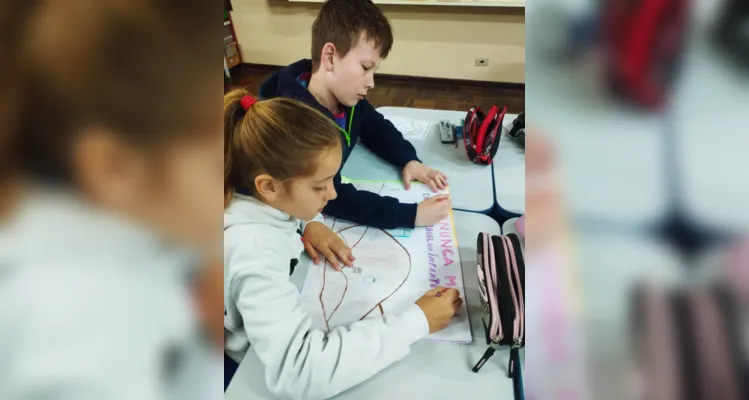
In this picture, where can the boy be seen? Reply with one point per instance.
(350, 38)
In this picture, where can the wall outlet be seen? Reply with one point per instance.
(482, 62)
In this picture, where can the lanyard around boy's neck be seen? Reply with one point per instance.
(347, 133)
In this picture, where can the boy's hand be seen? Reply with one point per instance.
(318, 237)
(429, 176)
(433, 210)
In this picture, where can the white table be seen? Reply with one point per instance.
(470, 184)
(434, 371)
(509, 227)
(611, 159)
(710, 118)
(509, 171)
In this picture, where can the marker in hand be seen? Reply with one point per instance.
(433, 210)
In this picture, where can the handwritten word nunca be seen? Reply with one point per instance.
(445, 237)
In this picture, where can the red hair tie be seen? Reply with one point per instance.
(247, 102)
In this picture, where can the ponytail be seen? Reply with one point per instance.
(233, 114)
(280, 137)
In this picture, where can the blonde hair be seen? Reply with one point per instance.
(118, 64)
(280, 137)
(14, 17)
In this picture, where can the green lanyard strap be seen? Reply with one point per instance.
(345, 133)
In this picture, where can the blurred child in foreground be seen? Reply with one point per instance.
(122, 205)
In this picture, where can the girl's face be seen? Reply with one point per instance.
(176, 190)
(304, 197)
(189, 206)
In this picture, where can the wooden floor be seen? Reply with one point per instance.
(413, 92)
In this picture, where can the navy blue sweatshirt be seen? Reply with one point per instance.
(377, 133)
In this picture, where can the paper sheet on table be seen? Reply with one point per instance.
(412, 129)
(393, 271)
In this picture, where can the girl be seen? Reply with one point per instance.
(280, 160)
(95, 300)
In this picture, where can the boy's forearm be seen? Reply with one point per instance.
(371, 209)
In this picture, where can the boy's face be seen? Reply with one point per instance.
(352, 76)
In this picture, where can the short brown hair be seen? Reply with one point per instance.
(280, 137)
(342, 22)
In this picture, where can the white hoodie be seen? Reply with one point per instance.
(93, 307)
(262, 308)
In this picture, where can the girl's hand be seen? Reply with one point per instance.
(319, 238)
(209, 298)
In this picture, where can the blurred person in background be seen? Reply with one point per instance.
(107, 276)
